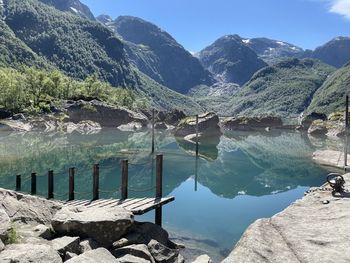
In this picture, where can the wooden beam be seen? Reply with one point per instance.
(33, 184)
(125, 179)
(95, 181)
(50, 186)
(159, 188)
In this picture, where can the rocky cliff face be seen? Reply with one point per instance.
(73, 6)
(231, 60)
(158, 55)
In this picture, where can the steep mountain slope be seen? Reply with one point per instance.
(73, 6)
(272, 51)
(77, 46)
(330, 97)
(231, 60)
(285, 89)
(335, 52)
(158, 55)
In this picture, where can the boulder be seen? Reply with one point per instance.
(102, 224)
(19, 117)
(4, 114)
(132, 126)
(208, 125)
(307, 120)
(160, 126)
(170, 117)
(143, 233)
(203, 259)
(102, 113)
(162, 253)
(44, 231)
(24, 253)
(87, 245)
(100, 255)
(66, 244)
(132, 259)
(27, 208)
(318, 128)
(5, 225)
(88, 127)
(140, 251)
(251, 123)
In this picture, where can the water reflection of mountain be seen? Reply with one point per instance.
(246, 163)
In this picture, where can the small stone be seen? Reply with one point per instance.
(325, 202)
(162, 253)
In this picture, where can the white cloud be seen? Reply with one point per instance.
(340, 7)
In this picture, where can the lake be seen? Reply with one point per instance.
(238, 178)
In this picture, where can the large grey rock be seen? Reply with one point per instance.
(203, 259)
(25, 253)
(143, 233)
(66, 244)
(2, 245)
(251, 123)
(104, 225)
(102, 113)
(162, 253)
(313, 229)
(318, 128)
(132, 259)
(208, 124)
(307, 120)
(44, 231)
(27, 208)
(140, 251)
(132, 126)
(87, 245)
(88, 127)
(100, 255)
(5, 224)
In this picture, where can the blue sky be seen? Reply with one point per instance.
(197, 23)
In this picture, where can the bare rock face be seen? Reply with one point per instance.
(100, 255)
(313, 229)
(105, 115)
(24, 253)
(5, 224)
(208, 125)
(27, 208)
(104, 225)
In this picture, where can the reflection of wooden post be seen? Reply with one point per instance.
(33, 185)
(71, 184)
(346, 131)
(124, 189)
(50, 185)
(159, 188)
(153, 130)
(197, 144)
(95, 187)
(18, 182)
(196, 175)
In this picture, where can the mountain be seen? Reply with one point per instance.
(158, 55)
(285, 89)
(231, 60)
(330, 97)
(73, 6)
(335, 52)
(272, 51)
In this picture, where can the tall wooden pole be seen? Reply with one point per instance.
(153, 116)
(197, 131)
(33, 184)
(196, 175)
(50, 188)
(159, 188)
(18, 182)
(95, 187)
(346, 131)
(71, 196)
(125, 174)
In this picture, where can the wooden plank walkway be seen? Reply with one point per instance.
(138, 206)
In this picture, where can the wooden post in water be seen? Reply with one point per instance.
(153, 116)
(125, 174)
(159, 188)
(196, 175)
(95, 187)
(71, 184)
(33, 184)
(346, 131)
(18, 182)
(197, 143)
(50, 187)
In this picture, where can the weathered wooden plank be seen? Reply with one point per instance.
(140, 203)
(150, 206)
(126, 204)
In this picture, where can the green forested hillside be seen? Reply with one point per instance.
(330, 97)
(285, 89)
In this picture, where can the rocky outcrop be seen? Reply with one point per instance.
(307, 120)
(27, 208)
(105, 115)
(208, 125)
(313, 229)
(24, 253)
(104, 225)
(330, 128)
(251, 123)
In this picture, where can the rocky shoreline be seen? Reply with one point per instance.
(33, 229)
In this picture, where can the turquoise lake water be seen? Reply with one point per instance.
(239, 177)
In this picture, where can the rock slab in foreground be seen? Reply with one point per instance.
(100, 255)
(105, 225)
(307, 231)
(24, 253)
